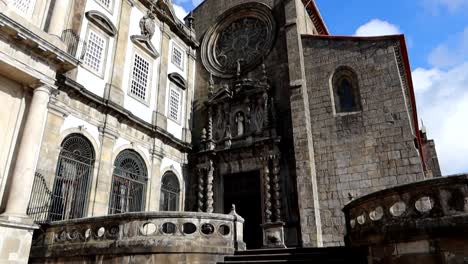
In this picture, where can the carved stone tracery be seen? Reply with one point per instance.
(240, 40)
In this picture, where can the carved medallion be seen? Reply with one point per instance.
(244, 35)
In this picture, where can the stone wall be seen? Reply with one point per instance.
(365, 151)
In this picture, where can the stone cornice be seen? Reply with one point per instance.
(44, 48)
(76, 90)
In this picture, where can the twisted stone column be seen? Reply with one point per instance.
(276, 189)
(201, 190)
(209, 188)
(266, 186)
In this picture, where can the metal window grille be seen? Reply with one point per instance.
(177, 57)
(170, 192)
(106, 3)
(73, 43)
(94, 55)
(128, 183)
(140, 76)
(174, 103)
(72, 179)
(24, 6)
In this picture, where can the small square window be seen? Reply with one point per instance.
(95, 51)
(24, 6)
(178, 57)
(140, 77)
(106, 4)
(175, 102)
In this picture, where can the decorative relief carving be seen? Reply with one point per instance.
(240, 40)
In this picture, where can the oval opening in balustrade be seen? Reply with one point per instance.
(424, 204)
(361, 219)
(100, 232)
(377, 214)
(224, 230)
(398, 209)
(207, 229)
(88, 233)
(352, 223)
(169, 228)
(148, 229)
(189, 228)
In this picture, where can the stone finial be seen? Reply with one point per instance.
(350, 196)
(190, 20)
(233, 210)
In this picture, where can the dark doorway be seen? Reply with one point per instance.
(243, 190)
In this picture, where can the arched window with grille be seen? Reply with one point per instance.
(72, 179)
(170, 193)
(346, 90)
(128, 183)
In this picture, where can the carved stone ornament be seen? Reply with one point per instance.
(147, 28)
(243, 36)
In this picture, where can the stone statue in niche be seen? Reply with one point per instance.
(259, 114)
(219, 126)
(240, 123)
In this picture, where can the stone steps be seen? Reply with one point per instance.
(335, 255)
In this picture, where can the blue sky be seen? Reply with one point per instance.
(437, 37)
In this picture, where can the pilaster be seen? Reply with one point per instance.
(102, 185)
(58, 20)
(155, 184)
(114, 89)
(160, 115)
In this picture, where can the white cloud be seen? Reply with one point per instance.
(180, 11)
(377, 27)
(442, 99)
(452, 52)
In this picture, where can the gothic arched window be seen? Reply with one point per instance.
(72, 178)
(170, 192)
(128, 183)
(346, 91)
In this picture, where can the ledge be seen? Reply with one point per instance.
(41, 43)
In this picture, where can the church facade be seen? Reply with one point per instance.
(119, 107)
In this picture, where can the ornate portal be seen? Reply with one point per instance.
(241, 39)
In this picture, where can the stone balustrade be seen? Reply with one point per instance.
(163, 237)
(427, 218)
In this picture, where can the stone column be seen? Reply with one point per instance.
(59, 14)
(201, 190)
(276, 189)
(209, 188)
(266, 190)
(28, 152)
(16, 227)
(102, 185)
(160, 115)
(114, 89)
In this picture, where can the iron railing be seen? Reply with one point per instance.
(73, 43)
(41, 197)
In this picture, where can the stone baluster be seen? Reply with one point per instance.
(201, 190)
(266, 185)
(209, 188)
(276, 189)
